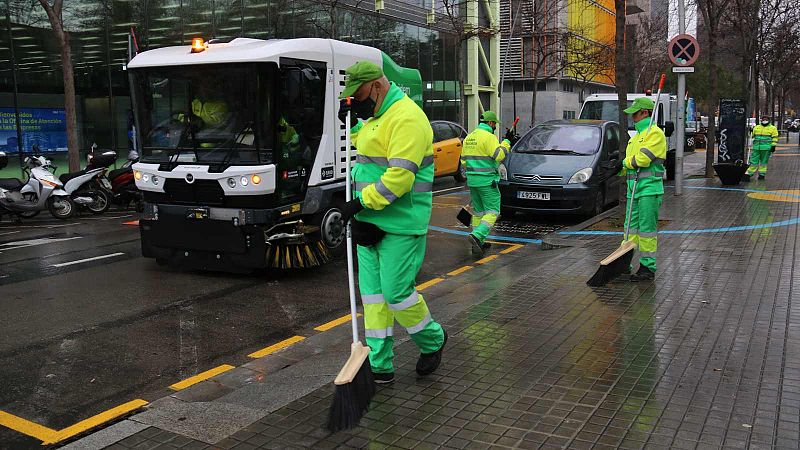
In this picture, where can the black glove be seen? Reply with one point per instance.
(772, 150)
(365, 234)
(618, 166)
(350, 209)
(344, 110)
(509, 135)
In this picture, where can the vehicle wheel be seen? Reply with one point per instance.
(61, 207)
(507, 213)
(100, 203)
(461, 173)
(599, 203)
(331, 228)
(33, 198)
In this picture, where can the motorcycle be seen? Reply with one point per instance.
(123, 186)
(88, 187)
(42, 191)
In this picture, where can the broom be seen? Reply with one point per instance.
(464, 216)
(619, 261)
(354, 386)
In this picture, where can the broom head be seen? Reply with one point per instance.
(464, 217)
(614, 265)
(354, 388)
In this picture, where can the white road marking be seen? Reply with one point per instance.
(108, 218)
(33, 242)
(87, 260)
(10, 232)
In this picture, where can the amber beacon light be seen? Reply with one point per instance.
(198, 45)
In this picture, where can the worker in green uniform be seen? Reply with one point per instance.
(765, 138)
(644, 161)
(481, 157)
(393, 178)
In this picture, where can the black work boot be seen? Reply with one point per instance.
(383, 378)
(643, 274)
(486, 246)
(746, 178)
(477, 245)
(762, 176)
(429, 362)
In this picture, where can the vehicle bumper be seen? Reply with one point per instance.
(564, 199)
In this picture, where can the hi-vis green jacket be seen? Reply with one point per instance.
(393, 174)
(645, 154)
(764, 137)
(482, 155)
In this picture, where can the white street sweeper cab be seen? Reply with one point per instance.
(242, 154)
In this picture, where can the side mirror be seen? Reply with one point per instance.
(669, 128)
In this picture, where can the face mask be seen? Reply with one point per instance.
(364, 109)
(765, 122)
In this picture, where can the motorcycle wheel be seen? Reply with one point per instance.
(61, 208)
(101, 202)
(33, 198)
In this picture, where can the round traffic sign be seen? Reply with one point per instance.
(683, 50)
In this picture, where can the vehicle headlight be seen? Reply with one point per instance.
(503, 172)
(244, 181)
(146, 177)
(137, 174)
(581, 176)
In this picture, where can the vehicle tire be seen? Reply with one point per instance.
(507, 213)
(331, 227)
(101, 201)
(61, 207)
(31, 197)
(598, 204)
(461, 173)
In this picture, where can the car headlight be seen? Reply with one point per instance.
(146, 177)
(581, 176)
(503, 172)
(244, 181)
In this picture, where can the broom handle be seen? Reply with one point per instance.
(348, 192)
(658, 101)
(630, 206)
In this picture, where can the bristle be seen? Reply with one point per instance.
(297, 255)
(351, 400)
(612, 270)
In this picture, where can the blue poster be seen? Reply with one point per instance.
(43, 130)
(690, 111)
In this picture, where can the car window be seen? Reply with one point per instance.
(440, 131)
(612, 139)
(455, 131)
(568, 139)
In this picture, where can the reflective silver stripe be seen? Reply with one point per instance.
(378, 160)
(488, 225)
(379, 334)
(423, 186)
(410, 166)
(477, 158)
(496, 213)
(427, 161)
(648, 234)
(647, 254)
(633, 232)
(658, 161)
(421, 325)
(648, 153)
(481, 169)
(360, 185)
(410, 301)
(645, 173)
(385, 192)
(372, 299)
(498, 150)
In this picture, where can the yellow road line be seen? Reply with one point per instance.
(486, 260)
(511, 249)
(201, 377)
(499, 242)
(459, 271)
(335, 323)
(26, 427)
(94, 421)
(429, 283)
(275, 347)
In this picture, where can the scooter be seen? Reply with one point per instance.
(42, 191)
(88, 187)
(123, 186)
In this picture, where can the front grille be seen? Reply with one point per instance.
(536, 178)
(201, 192)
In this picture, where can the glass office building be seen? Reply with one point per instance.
(99, 32)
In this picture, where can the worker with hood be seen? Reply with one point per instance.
(644, 160)
(481, 156)
(765, 138)
(393, 177)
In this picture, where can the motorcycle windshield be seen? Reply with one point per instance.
(207, 114)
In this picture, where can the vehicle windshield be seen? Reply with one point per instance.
(603, 110)
(558, 138)
(204, 114)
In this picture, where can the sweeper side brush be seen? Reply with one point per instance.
(296, 249)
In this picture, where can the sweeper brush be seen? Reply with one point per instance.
(297, 248)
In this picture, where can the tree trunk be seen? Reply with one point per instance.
(533, 99)
(620, 77)
(73, 148)
(713, 102)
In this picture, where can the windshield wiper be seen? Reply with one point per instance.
(548, 150)
(236, 137)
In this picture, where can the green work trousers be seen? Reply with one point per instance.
(643, 228)
(485, 209)
(758, 159)
(387, 275)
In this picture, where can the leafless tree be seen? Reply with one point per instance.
(590, 62)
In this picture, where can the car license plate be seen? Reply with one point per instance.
(528, 195)
(197, 214)
(106, 184)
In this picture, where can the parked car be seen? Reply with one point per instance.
(447, 140)
(562, 167)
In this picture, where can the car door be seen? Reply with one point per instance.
(446, 148)
(439, 158)
(609, 158)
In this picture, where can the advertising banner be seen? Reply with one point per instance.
(43, 130)
(732, 131)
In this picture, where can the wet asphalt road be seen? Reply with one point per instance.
(81, 337)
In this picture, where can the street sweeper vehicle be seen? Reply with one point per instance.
(243, 157)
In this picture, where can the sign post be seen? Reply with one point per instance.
(683, 51)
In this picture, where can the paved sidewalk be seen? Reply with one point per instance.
(706, 356)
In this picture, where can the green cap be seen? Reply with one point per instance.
(489, 116)
(640, 104)
(358, 74)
